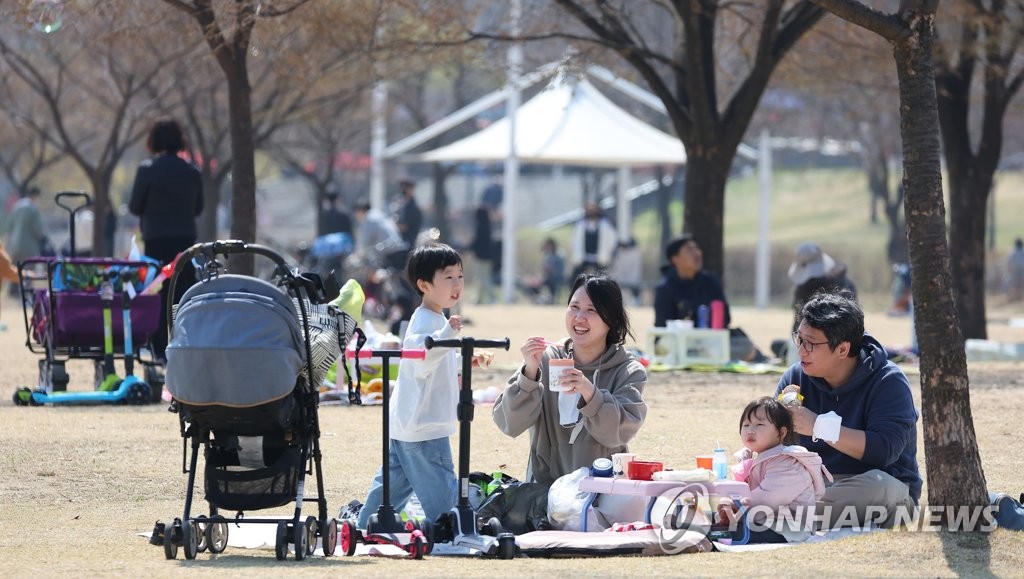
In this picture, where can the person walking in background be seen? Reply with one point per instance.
(593, 241)
(334, 240)
(1015, 272)
(482, 247)
(8, 273)
(168, 197)
(24, 227)
(24, 230)
(627, 269)
(378, 239)
(409, 218)
(332, 218)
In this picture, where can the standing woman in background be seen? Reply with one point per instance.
(167, 197)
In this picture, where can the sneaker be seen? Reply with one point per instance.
(350, 511)
(157, 537)
(1009, 512)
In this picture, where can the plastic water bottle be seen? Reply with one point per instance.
(720, 464)
(703, 312)
(717, 315)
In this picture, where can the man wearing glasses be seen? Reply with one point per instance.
(858, 414)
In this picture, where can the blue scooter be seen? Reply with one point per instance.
(111, 389)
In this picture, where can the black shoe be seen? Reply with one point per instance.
(350, 511)
(157, 538)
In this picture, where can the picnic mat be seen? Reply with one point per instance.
(817, 537)
(565, 543)
(731, 367)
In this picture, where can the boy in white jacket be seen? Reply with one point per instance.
(785, 480)
(423, 402)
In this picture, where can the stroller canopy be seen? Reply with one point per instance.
(237, 342)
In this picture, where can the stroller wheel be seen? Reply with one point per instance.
(311, 530)
(190, 539)
(201, 526)
(281, 542)
(217, 534)
(170, 547)
(349, 538)
(299, 537)
(329, 536)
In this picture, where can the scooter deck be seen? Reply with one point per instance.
(86, 398)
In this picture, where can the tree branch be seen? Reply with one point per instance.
(885, 25)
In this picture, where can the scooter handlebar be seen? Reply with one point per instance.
(410, 353)
(458, 343)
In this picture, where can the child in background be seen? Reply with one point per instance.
(423, 402)
(781, 476)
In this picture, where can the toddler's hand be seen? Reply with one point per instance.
(482, 360)
(455, 322)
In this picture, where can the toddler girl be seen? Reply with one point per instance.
(782, 477)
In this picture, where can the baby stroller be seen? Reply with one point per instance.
(83, 308)
(244, 362)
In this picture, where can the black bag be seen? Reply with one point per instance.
(519, 507)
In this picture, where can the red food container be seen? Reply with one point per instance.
(643, 469)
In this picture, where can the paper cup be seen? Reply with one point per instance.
(705, 461)
(620, 464)
(555, 370)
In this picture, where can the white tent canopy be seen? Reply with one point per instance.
(568, 123)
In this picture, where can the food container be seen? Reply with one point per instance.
(643, 469)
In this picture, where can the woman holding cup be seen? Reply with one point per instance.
(582, 397)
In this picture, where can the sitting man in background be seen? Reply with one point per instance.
(857, 413)
(685, 286)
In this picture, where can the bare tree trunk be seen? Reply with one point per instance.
(968, 200)
(211, 204)
(243, 155)
(705, 206)
(441, 203)
(954, 474)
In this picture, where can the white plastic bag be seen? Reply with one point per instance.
(565, 501)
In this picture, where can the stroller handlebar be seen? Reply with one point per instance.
(460, 342)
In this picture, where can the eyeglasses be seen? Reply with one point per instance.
(807, 345)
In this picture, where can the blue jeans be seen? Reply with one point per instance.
(424, 467)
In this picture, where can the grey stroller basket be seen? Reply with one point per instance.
(244, 365)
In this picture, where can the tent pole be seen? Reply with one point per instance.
(508, 224)
(762, 279)
(623, 208)
(378, 140)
